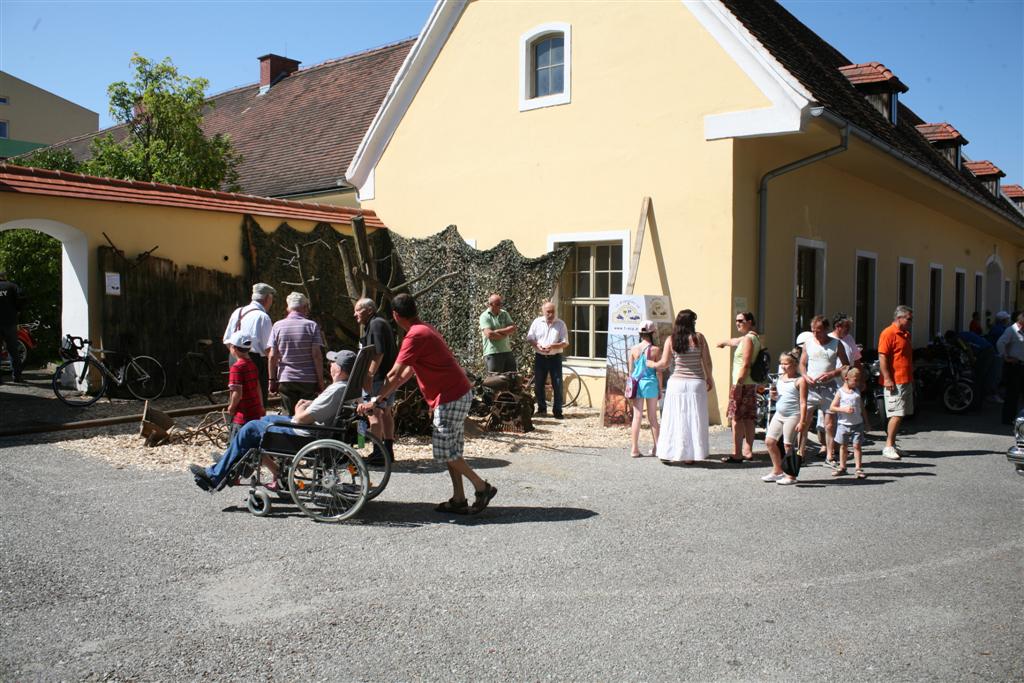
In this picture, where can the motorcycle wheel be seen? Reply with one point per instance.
(958, 397)
(22, 352)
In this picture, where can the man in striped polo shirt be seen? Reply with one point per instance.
(296, 359)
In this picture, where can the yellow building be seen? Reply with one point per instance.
(31, 117)
(784, 180)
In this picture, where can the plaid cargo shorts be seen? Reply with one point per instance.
(449, 437)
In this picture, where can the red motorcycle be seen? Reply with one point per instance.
(25, 344)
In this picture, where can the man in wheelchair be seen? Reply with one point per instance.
(321, 411)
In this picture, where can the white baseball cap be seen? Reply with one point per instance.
(241, 340)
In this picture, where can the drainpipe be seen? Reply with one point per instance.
(762, 218)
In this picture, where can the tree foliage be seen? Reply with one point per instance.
(53, 159)
(163, 112)
(32, 259)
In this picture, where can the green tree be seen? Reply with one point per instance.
(32, 259)
(53, 159)
(163, 112)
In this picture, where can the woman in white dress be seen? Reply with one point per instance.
(684, 416)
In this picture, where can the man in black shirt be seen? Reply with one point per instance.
(379, 333)
(10, 303)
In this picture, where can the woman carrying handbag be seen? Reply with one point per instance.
(644, 384)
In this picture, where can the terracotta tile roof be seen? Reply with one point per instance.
(301, 135)
(38, 181)
(983, 168)
(816, 63)
(872, 72)
(940, 132)
(1013, 191)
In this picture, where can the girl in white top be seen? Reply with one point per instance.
(790, 396)
(850, 408)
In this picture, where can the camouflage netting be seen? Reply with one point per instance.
(454, 305)
(270, 257)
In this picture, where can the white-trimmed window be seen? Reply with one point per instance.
(959, 298)
(865, 292)
(934, 301)
(808, 283)
(3, 130)
(905, 283)
(545, 66)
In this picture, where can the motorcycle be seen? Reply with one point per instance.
(501, 398)
(946, 375)
(25, 344)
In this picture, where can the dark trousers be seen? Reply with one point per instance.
(501, 362)
(291, 392)
(1013, 374)
(262, 372)
(543, 366)
(10, 337)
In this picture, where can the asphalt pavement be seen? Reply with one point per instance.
(588, 566)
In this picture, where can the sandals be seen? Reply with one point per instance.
(638, 454)
(860, 473)
(840, 471)
(482, 498)
(733, 460)
(453, 507)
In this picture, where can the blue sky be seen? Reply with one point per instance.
(963, 61)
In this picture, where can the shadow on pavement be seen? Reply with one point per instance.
(954, 454)
(433, 467)
(404, 514)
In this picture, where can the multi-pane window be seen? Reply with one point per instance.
(864, 314)
(549, 65)
(593, 273)
(810, 262)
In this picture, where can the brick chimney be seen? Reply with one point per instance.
(878, 84)
(946, 139)
(988, 173)
(1016, 195)
(273, 68)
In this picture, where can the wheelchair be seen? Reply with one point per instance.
(329, 476)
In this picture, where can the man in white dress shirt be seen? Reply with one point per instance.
(549, 336)
(1010, 346)
(254, 320)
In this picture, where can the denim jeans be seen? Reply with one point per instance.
(248, 437)
(542, 367)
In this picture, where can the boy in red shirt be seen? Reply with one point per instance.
(245, 402)
(446, 390)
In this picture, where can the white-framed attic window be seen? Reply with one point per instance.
(545, 66)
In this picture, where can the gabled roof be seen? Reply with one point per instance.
(983, 168)
(300, 136)
(940, 132)
(870, 73)
(37, 181)
(1013, 191)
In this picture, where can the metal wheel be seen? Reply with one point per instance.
(144, 377)
(571, 386)
(958, 396)
(79, 383)
(258, 502)
(379, 471)
(328, 481)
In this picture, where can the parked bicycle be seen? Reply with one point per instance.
(571, 386)
(197, 372)
(83, 378)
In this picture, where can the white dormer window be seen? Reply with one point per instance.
(545, 59)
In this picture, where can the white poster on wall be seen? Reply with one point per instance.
(113, 281)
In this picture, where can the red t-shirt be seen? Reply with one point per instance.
(243, 375)
(439, 375)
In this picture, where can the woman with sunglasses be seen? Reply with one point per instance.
(743, 392)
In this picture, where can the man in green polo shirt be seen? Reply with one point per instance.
(497, 328)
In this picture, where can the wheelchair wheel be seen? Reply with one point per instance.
(258, 502)
(328, 481)
(379, 471)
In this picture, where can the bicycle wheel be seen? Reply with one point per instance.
(144, 377)
(79, 383)
(328, 481)
(571, 386)
(196, 376)
(379, 470)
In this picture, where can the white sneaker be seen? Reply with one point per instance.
(786, 481)
(891, 453)
(772, 477)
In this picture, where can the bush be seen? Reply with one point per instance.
(32, 259)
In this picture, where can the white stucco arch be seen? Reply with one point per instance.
(74, 316)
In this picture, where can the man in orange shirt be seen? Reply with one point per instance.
(896, 362)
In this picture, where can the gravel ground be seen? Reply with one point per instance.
(588, 566)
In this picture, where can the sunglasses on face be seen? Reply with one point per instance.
(740, 321)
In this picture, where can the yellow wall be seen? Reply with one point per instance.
(863, 200)
(187, 237)
(644, 76)
(35, 115)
